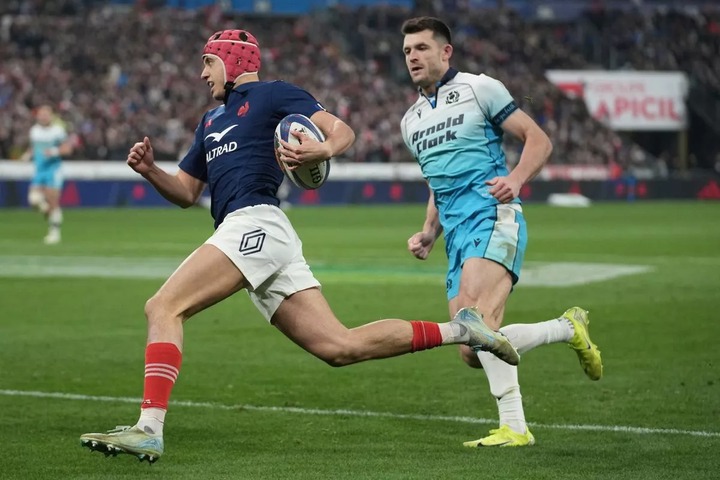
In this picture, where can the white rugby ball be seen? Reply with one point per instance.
(308, 177)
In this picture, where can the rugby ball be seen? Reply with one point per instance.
(308, 177)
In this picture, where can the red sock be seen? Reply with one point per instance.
(162, 365)
(425, 335)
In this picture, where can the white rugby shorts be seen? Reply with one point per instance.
(264, 246)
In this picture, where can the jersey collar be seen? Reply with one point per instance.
(449, 75)
(241, 89)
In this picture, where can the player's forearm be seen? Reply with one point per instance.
(339, 138)
(61, 151)
(170, 187)
(432, 218)
(534, 156)
(65, 149)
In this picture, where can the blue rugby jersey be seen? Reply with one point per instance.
(234, 151)
(457, 140)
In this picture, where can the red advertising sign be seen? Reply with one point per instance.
(628, 100)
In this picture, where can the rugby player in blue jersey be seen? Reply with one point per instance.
(455, 131)
(49, 141)
(254, 246)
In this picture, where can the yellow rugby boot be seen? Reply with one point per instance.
(587, 352)
(503, 437)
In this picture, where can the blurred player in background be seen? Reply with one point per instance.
(49, 142)
(254, 246)
(455, 132)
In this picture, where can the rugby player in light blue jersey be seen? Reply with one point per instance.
(455, 131)
(48, 143)
(254, 246)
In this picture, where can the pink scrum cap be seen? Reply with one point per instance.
(238, 50)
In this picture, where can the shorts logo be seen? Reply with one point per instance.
(477, 241)
(448, 285)
(252, 242)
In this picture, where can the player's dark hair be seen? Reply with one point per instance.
(419, 24)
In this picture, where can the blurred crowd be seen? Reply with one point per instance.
(664, 40)
(116, 74)
(516, 52)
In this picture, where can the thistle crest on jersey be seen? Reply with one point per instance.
(238, 50)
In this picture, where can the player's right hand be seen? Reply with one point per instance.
(141, 157)
(420, 244)
(308, 152)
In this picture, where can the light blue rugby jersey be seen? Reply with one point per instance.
(42, 138)
(457, 140)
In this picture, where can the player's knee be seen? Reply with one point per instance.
(160, 307)
(335, 361)
(332, 358)
(35, 198)
(339, 353)
(337, 358)
(153, 306)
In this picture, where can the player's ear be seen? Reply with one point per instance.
(447, 52)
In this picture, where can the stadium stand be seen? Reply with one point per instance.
(117, 72)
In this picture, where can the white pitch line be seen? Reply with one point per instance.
(361, 413)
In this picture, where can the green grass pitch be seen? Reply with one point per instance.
(249, 404)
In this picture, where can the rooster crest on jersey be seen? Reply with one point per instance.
(308, 177)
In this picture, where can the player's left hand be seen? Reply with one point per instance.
(420, 244)
(504, 189)
(309, 152)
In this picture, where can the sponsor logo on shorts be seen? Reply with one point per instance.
(252, 242)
